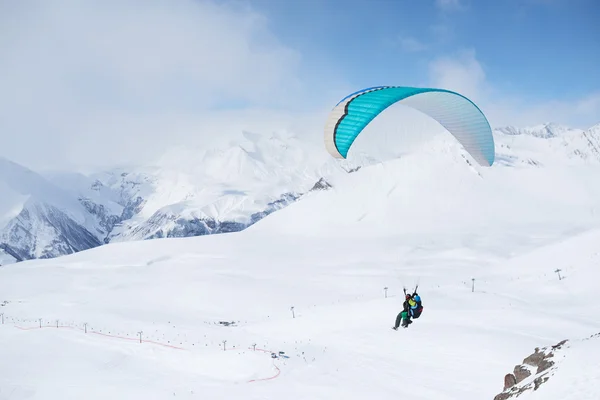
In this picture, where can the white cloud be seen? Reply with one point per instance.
(142, 47)
(80, 79)
(464, 73)
(461, 73)
(132, 139)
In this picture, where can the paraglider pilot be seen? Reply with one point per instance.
(412, 307)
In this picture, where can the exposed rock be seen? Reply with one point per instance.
(559, 344)
(9, 250)
(509, 381)
(595, 335)
(285, 200)
(106, 220)
(351, 170)
(540, 359)
(537, 382)
(521, 373)
(502, 396)
(321, 184)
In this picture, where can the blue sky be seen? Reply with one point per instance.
(538, 49)
(93, 83)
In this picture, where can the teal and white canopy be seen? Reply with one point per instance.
(459, 115)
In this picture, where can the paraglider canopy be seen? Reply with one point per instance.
(459, 115)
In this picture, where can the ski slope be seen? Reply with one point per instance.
(428, 218)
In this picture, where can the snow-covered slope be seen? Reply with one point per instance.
(152, 319)
(173, 294)
(412, 194)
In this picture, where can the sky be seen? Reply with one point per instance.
(91, 84)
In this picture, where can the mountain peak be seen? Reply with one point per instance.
(545, 130)
(595, 129)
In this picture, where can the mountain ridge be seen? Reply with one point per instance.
(227, 188)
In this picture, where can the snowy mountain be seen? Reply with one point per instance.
(412, 194)
(38, 219)
(548, 144)
(296, 305)
(233, 184)
(192, 192)
(547, 130)
(188, 192)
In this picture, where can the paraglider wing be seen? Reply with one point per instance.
(459, 115)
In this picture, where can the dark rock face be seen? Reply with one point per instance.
(321, 184)
(521, 373)
(198, 227)
(509, 381)
(559, 344)
(132, 207)
(537, 382)
(351, 170)
(107, 221)
(539, 360)
(9, 250)
(502, 396)
(284, 201)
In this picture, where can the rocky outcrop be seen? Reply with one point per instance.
(321, 184)
(167, 224)
(107, 220)
(509, 381)
(7, 250)
(284, 201)
(520, 373)
(197, 227)
(534, 371)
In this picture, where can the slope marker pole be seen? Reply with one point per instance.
(558, 272)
